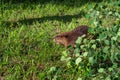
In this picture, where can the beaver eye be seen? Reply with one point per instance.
(66, 36)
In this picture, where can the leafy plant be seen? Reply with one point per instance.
(97, 57)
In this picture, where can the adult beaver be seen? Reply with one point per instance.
(69, 38)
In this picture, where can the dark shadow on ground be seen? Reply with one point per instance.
(65, 18)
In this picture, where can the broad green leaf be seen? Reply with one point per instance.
(55, 77)
(85, 54)
(52, 69)
(85, 41)
(107, 42)
(114, 38)
(91, 60)
(79, 78)
(65, 53)
(102, 36)
(79, 40)
(110, 69)
(68, 59)
(118, 33)
(101, 70)
(94, 46)
(106, 49)
(95, 23)
(92, 41)
(63, 58)
(108, 77)
(87, 15)
(68, 64)
(77, 50)
(82, 46)
(115, 65)
(78, 60)
(91, 30)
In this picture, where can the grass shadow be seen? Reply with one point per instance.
(29, 21)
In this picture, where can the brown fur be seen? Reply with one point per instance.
(69, 38)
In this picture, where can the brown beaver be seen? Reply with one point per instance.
(69, 38)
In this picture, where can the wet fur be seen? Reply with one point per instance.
(69, 38)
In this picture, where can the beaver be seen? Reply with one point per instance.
(69, 38)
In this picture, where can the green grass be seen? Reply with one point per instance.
(27, 50)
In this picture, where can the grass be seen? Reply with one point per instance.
(27, 50)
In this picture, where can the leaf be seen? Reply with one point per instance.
(79, 78)
(63, 58)
(107, 42)
(91, 30)
(87, 16)
(85, 41)
(118, 33)
(68, 59)
(82, 46)
(94, 46)
(110, 69)
(105, 49)
(85, 54)
(52, 69)
(68, 64)
(78, 60)
(101, 70)
(102, 36)
(65, 53)
(55, 77)
(91, 60)
(95, 23)
(79, 40)
(108, 77)
(92, 41)
(77, 50)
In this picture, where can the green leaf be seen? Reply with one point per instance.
(85, 54)
(68, 64)
(95, 23)
(78, 60)
(77, 50)
(79, 78)
(82, 46)
(65, 53)
(92, 41)
(101, 70)
(105, 49)
(107, 42)
(87, 15)
(52, 69)
(85, 41)
(79, 40)
(63, 58)
(118, 33)
(91, 60)
(94, 46)
(108, 77)
(102, 36)
(110, 69)
(91, 30)
(114, 38)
